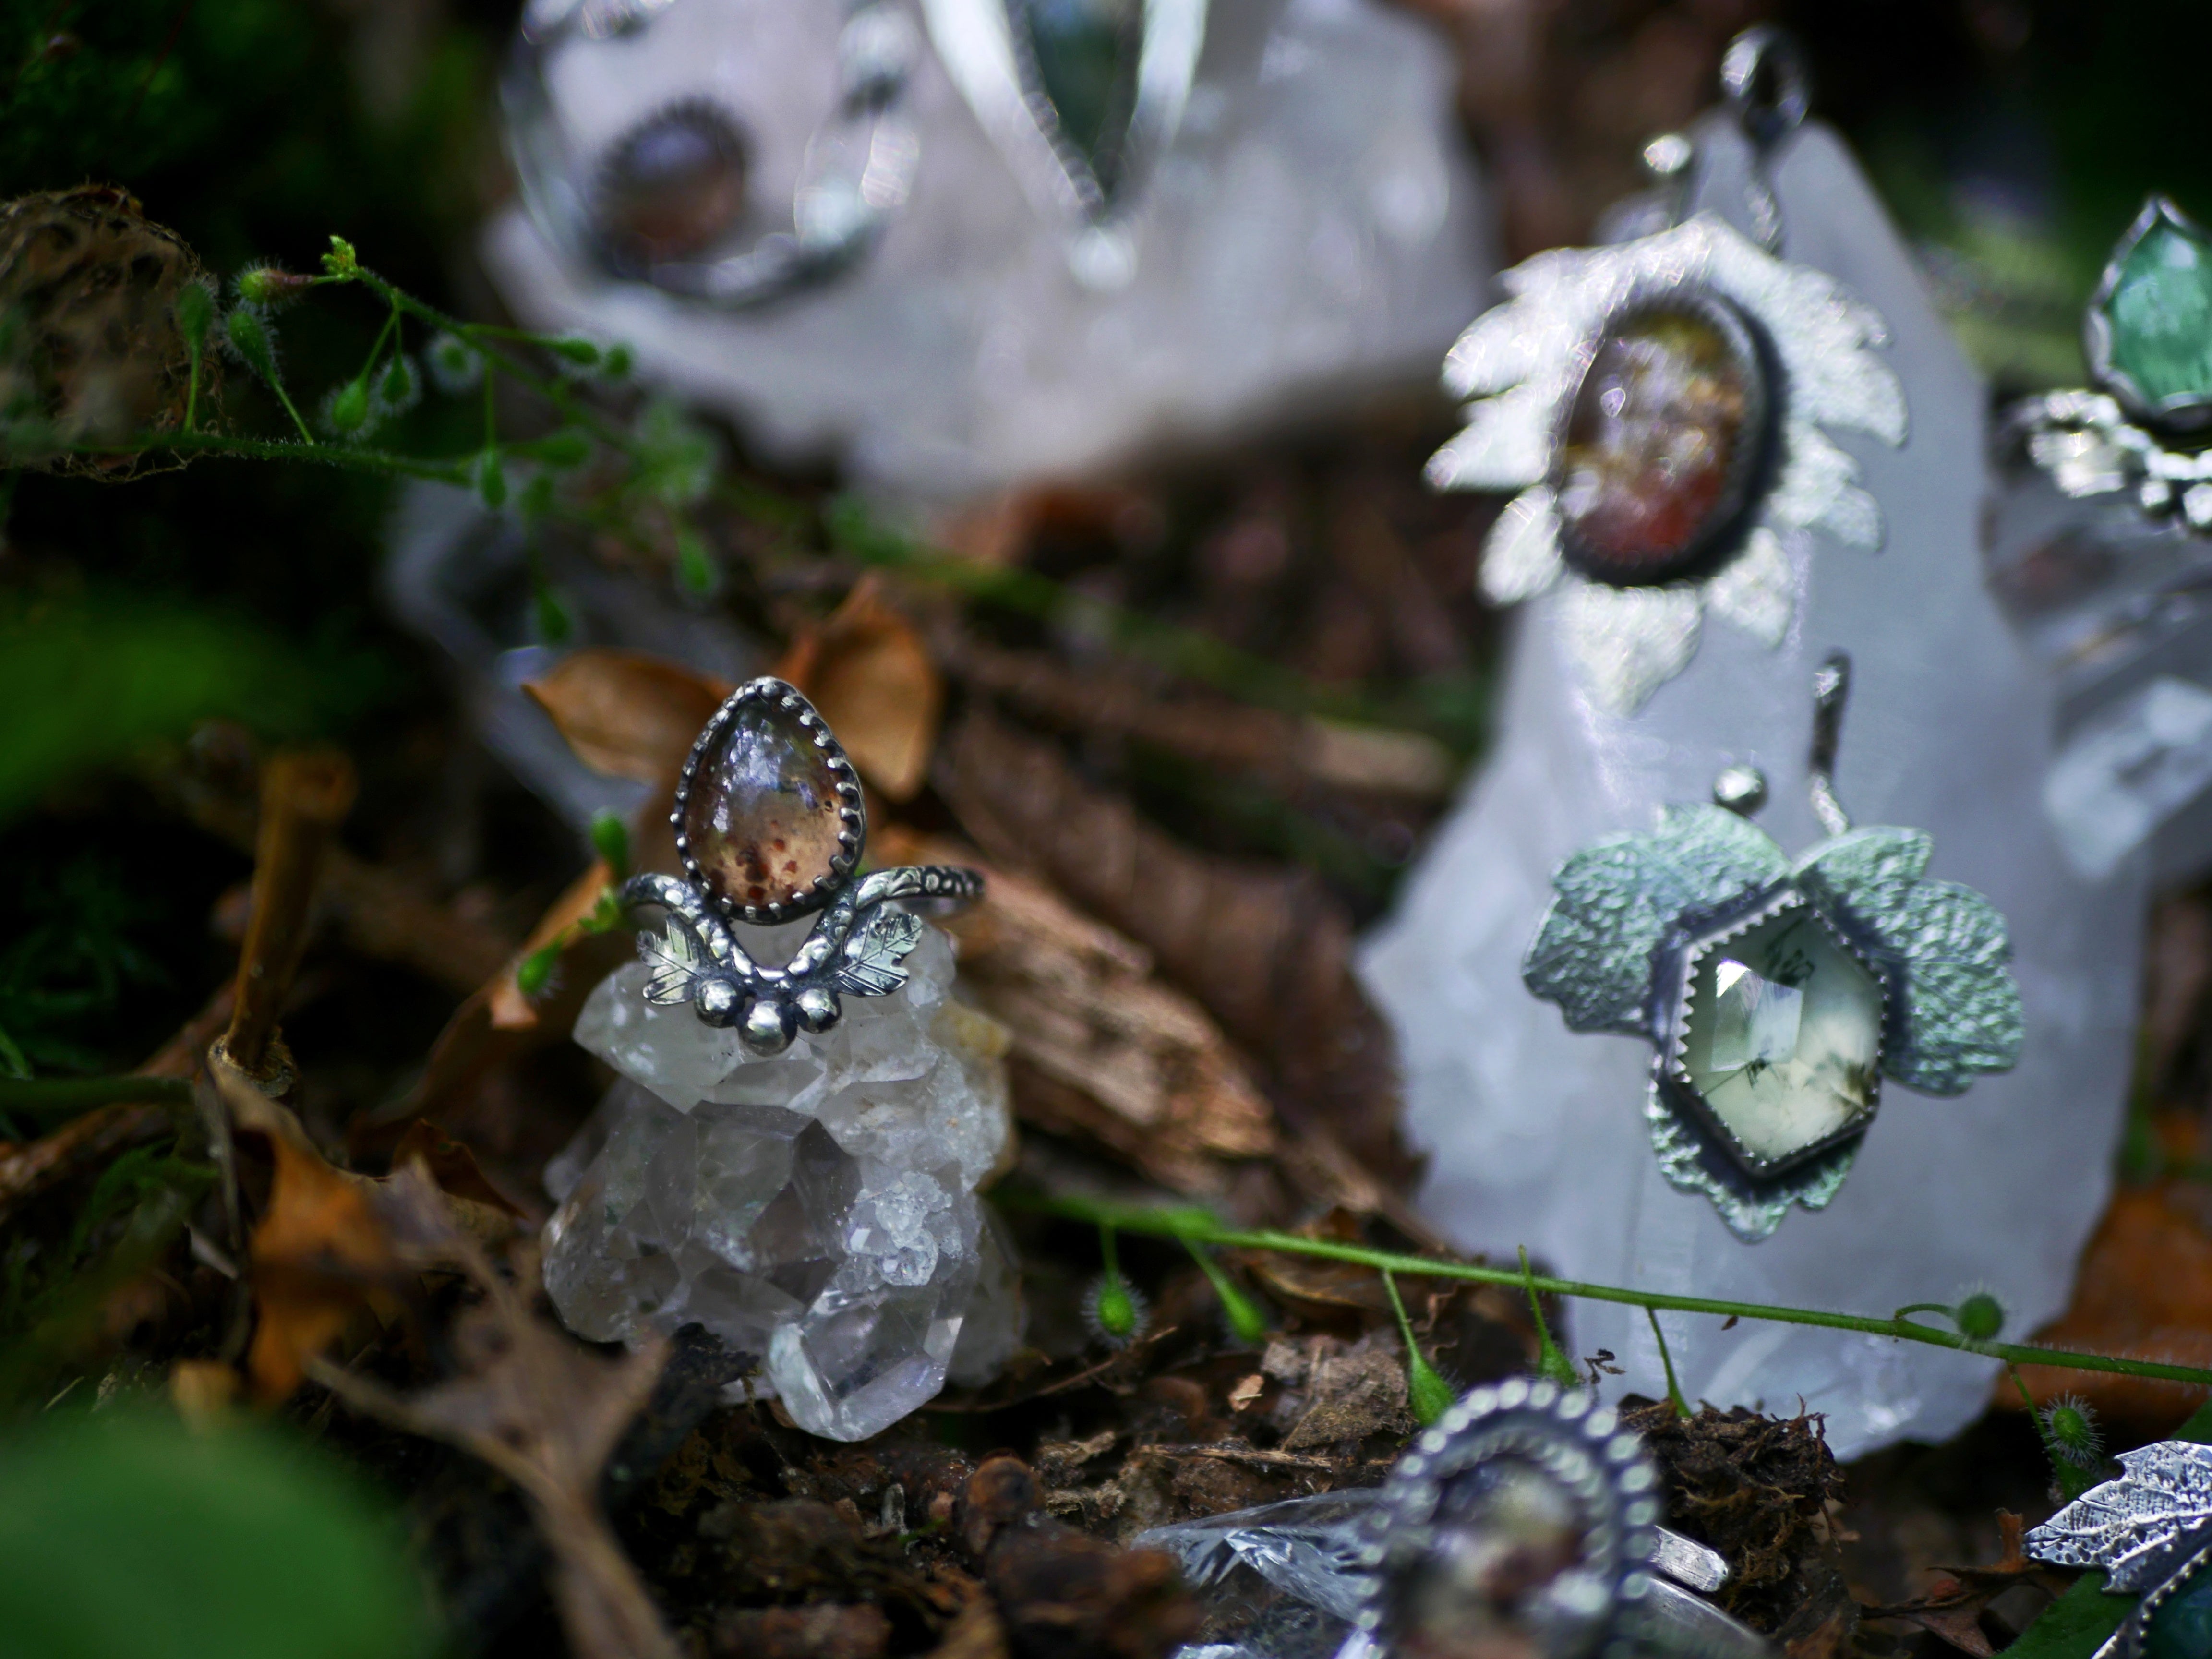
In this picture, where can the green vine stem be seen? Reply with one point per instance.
(1191, 1223)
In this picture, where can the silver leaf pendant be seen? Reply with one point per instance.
(2150, 1530)
(1663, 408)
(1778, 993)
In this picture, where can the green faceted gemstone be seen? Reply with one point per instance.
(2161, 312)
(1086, 53)
(2182, 1627)
(1781, 1036)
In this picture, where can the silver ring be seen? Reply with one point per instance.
(1531, 1515)
(771, 825)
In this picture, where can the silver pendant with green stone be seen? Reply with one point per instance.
(2145, 424)
(2150, 1530)
(1778, 993)
(1081, 97)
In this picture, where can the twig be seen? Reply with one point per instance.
(1193, 1224)
(303, 798)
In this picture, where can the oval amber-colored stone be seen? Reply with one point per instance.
(762, 818)
(1656, 444)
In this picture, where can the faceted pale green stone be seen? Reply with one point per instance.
(2161, 312)
(1782, 1038)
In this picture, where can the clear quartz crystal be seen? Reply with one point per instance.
(817, 1208)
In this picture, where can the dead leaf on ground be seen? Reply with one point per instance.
(543, 1410)
(1103, 1050)
(626, 713)
(1266, 950)
(2145, 1290)
(324, 1253)
(1954, 1605)
(867, 671)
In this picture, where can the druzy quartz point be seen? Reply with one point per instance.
(815, 1209)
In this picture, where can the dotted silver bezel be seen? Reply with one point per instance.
(1674, 1049)
(1721, 534)
(1603, 1466)
(852, 811)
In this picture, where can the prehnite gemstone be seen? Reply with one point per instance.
(1782, 1036)
(1651, 444)
(2160, 313)
(762, 819)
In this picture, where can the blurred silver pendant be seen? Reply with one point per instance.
(1778, 992)
(667, 200)
(1082, 97)
(2144, 425)
(1527, 1520)
(1663, 406)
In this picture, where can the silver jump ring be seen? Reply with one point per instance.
(771, 825)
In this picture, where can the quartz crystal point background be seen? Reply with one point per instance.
(1537, 1136)
(1317, 230)
(816, 1209)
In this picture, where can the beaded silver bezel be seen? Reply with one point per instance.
(852, 809)
(1722, 533)
(1603, 1466)
(2182, 412)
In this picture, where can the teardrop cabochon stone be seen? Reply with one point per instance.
(769, 818)
(2148, 328)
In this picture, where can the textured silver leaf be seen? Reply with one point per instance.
(1615, 901)
(1751, 1212)
(2138, 1526)
(675, 957)
(1944, 946)
(1962, 1010)
(1627, 643)
(874, 954)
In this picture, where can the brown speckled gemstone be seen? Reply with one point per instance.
(762, 818)
(1653, 443)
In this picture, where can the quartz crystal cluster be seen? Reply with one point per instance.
(816, 1209)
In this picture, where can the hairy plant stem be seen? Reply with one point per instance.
(1190, 1224)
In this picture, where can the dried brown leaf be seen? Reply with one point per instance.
(1102, 1049)
(626, 713)
(332, 1244)
(2144, 1289)
(1264, 949)
(867, 671)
